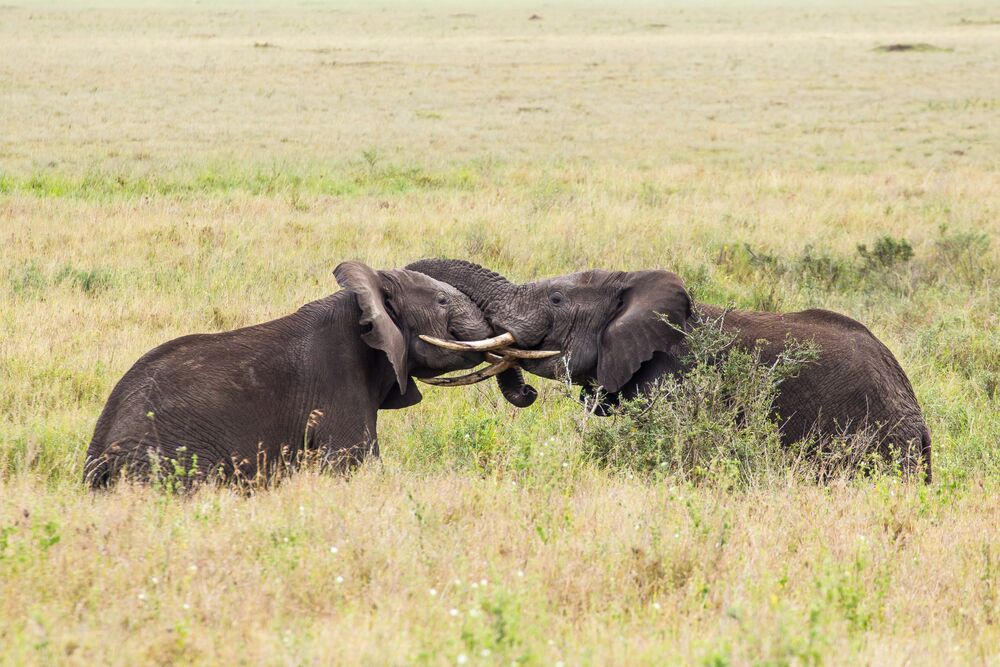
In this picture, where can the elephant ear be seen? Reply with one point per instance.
(638, 331)
(378, 330)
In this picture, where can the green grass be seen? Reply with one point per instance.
(171, 178)
(368, 177)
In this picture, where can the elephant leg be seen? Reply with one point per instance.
(342, 442)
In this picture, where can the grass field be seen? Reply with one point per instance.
(168, 171)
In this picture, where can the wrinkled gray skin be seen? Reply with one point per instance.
(241, 400)
(606, 324)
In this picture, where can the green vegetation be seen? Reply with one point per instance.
(162, 175)
(713, 427)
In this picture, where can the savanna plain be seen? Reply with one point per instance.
(196, 168)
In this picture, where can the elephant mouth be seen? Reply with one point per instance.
(499, 352)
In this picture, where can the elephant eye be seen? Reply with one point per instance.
(442, 300)
(556, 298)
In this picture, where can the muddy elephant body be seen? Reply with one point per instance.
(240, 403)
(620, 331)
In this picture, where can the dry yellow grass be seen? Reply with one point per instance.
(166, 171)
(428, 568)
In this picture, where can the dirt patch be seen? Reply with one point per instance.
(920, 47)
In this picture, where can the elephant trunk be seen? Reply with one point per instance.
(490, 292)
(487, 289)
(513, 388)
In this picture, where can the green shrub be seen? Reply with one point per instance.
(714, 424)
(820, 269)
(89, 281)
(962, 256)
(27, 280)
(887, 253)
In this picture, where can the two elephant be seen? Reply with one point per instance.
(239, 401)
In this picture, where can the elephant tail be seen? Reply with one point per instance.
(925, 452)
(98, 472)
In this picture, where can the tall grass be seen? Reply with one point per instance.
(162, 175)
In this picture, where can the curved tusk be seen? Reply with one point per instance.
(513, 352)
(471, 378)
(485, 345)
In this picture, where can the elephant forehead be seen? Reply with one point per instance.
(416, 282)
(595, 278)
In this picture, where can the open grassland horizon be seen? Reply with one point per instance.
(176, 170)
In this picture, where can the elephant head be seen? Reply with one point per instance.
(402, 310)
(616, 330)
(398, 305)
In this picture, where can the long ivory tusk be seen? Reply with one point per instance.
(471, 378)
(485, 345)
(513, 352)
(498, 343)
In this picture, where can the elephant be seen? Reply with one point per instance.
(240, 403)
(623, 330)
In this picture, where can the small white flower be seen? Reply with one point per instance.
(142, 596)
(462, 658)
(457, 582)
(520, 573)
(483, 582)
(453, 611)
(340, 579)
(155, 581)
(333, 550)
(192, 568)
(656, 606)
(186, 605)
(473, 612)
(677, 535)
(485, 653)
(552, 642)
(565, 464)
(433, 592)
(302, 509)
(560, 664)
(474, 585)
